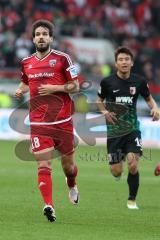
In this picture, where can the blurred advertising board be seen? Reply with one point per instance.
(15, 125)
(91, 50)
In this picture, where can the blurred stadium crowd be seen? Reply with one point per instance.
(133, 23)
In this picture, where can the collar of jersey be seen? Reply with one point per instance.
(40, 59)
(122, 79)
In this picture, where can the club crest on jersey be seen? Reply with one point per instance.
(132, 90)
(52, 62)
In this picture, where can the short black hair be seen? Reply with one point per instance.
(125, 50)
(43, 23)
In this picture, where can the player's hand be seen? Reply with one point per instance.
(110, 117)
(155, 114)
(46, 89)
(18, 93)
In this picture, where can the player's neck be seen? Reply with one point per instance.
(41, 55)
(123, 75)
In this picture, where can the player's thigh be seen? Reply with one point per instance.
(133, 150)
(42, 148)
(115, 150)
(64, 138)
(133, 144)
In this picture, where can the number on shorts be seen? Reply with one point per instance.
(139, 142)
(35, 143)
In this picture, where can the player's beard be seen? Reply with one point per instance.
(42, 48)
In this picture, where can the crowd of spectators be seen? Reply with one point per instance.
(133, 23)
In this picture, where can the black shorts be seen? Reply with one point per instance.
(118, 147)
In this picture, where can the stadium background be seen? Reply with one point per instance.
(90, 31)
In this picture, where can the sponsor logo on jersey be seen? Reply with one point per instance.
(132, 90)
(128, 100)
(52, 62)
(38, 75)
(73, 71)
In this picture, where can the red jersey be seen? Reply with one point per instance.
(56, 68)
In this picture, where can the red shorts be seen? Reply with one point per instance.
(47, 137)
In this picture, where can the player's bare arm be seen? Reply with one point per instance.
(154, 108)
(110, 116)
(23, 88)
(70, 87)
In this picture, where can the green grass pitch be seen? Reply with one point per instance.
(102, 212)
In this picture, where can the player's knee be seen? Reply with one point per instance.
(44, 164)
(132, 163)
(116, 172)
(132, 167)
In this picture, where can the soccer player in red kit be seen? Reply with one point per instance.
(49, 76)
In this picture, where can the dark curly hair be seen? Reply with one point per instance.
(43, 23)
